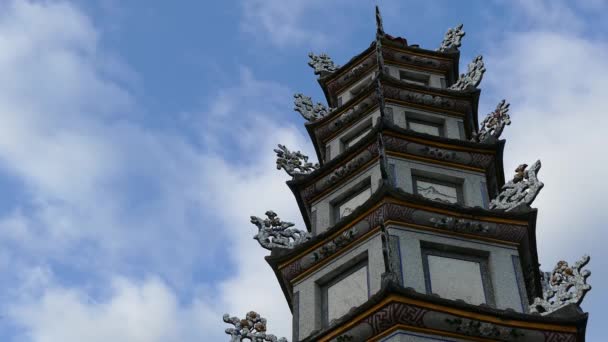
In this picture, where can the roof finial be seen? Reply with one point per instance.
(379, 26)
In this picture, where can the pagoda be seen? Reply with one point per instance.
(412, 232)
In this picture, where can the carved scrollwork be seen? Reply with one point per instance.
(522, 190)
(494, 123)
(473, 76)
(473, 327)
(274, 233)
(334, 245)
(438, 153)
(309, 110)
(559, 286)
(459, 225)
(251, 328)
(452, 39)
(322, 64)
(294, 163)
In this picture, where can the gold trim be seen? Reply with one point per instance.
(333, 186)
(323, 262)
(450, 233)
(438, 144)
(332, 236)
(452, 213)
(333, 77)
(429, 108)
(424, 330)
(350, 124)
(448, 310)
(436, 72)
(434, 161)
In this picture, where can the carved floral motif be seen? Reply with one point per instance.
(322, 64)
(459, 225)
(472, 327)
(251, 328)
(522, 190)
(294, 163)
(274, 233)
(309, 111)
(494, 123)
(452, 39)
(473, 76)
(559, 287)
(438, 153)
(334, 245)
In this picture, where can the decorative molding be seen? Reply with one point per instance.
(438, 153)
(251, 328)
(494, 123)
(471, 327)
(274, 233)
(322, 64)
(522, 190)
(309, 111)
(452, 39)
(334, 245)
(418, 98)
(294, 163)
(473, 77)
(347, 169)
(459, 225)
(559, 286)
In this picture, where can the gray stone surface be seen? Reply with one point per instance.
(309, 288)
(494, 123)
(322, 64)
(471, 181)
(310, 111)
(337, 145)
(274, 233)
(324, 206)
(251, 328)
(503, 276)
(436, 80)
(472, 78)
(452, 39)
(521, 190)
(293, 162)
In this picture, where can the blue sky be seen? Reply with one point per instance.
(136, 140)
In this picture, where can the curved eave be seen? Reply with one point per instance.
(398, 43)
(469, 96)
(577, 320)
(295, 183)
(279, 256)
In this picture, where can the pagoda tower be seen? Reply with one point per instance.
(412, 232)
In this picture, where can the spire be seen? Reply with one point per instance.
(379, 26)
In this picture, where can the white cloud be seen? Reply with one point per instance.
(284, 23)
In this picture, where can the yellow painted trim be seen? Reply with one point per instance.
(448, 310)
(450, 233)
(332, 236)
(456, 214)
(323, 262)
(438, 144)
(434, 161)
(429, 108)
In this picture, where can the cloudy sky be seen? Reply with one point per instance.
(136, 139)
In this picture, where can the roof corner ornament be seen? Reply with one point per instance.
(494, 123)
(452, 39)
(322, 64)
(274, 233)
(473, 77)
(252, 328)
(521, 190)
(311, 112)
(559, 287)
(294, 163)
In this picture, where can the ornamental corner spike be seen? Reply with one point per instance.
(303, 104)
(452, 39)
(251, 328)
(274, 233)
(494, 123)
(322, 64)
(294, 163)
(521, 190)
(473, 77)
(559, 287)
